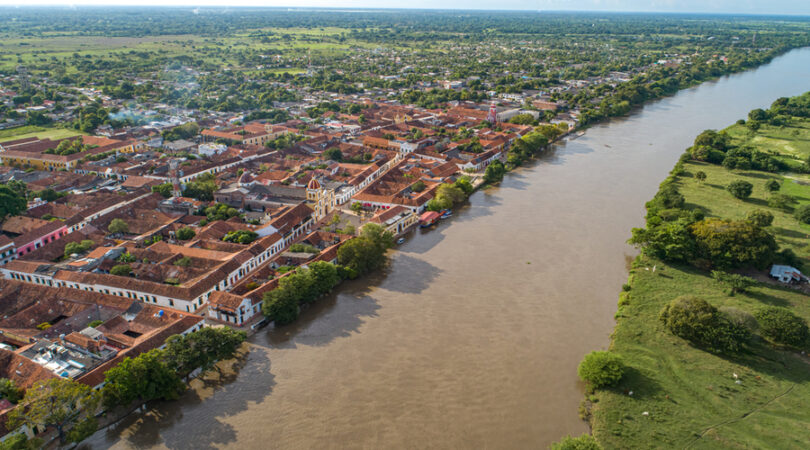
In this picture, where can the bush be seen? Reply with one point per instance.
(760, 218)
(117, 226)
(803, 214)
(183, 262)
(601, 369)
(727, 243)
(781, 201)
(122, 270)
(740, 318)
(735, 282)
(185, 233)
(740, 189)
(240, 236)
(584, 442)
(772, 185)
(781, 325)
(303, 248)
(695, 320)
(77, 247)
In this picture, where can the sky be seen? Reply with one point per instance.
(789, 7)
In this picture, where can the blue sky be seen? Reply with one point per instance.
(800, 7)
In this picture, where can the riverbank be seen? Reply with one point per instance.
(674, 394)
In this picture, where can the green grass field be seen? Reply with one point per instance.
(690, 396)
(28, 131)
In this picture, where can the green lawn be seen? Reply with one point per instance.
(28, 131)
(690, 396)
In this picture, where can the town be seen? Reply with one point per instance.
(169, 193)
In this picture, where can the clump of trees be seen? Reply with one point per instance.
(12, 201)
(78, 247)
(118, 226)
(123, 270)
(185, 233)
(782, 326)
(202, 188)
(366, 252)
(299, 288)
(494, 172)
(220, 211)
(60, 403)
(240, 236)
(601, 369)
(704, 326)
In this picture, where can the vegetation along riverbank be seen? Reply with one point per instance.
(709, 350)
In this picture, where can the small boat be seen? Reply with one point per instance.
(400, 241)
(446, 213)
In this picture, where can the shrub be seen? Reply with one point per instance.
(695, 320)
(803, 214)
(95, 323)
(735, 282)
(772, 185)
(740, 189)
(584, 442)
(781, 201)
(185, 233)
(601, 369)
(77, 247)
(419, 186)
(700, 176)
(740, 318)
(117, 226)
(303, 248)
(122, 270)
(183, 262)
(240, 236)
(781, 325)
(760, 217)
(251, 286)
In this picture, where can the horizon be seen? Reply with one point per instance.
(696, 7)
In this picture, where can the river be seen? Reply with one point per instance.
(472, 336)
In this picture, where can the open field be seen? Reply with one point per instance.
(33, 131)
(691, 397)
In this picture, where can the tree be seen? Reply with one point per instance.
(419, 186)
(669, 241)
(280, 306)
(185, 233)
(494, 172)
(366, 252)
(695, 320)
(118, 226)
(700, 176)
(726, 243)
(59, 403)
(760, 218)
(782, 326)
(781, 201)
(9, 390)
(12, 202)
(334, 154)
(740, 189)
(601, 369)
(77, 247)
(122, 270)
(803, 214)
(143, 378)
(19, 441)
(772, 185)
(240, 236)
(735, 282)
(164, 189)
(202, 349)
(584, 442)
(465, 185)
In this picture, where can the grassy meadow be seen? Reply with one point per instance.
(684, 397)
(29, 131)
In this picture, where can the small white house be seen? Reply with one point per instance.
(787, 274)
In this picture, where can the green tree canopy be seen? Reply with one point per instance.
(60, 403)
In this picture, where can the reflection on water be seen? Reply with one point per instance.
(472, 336)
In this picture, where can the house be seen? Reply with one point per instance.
(787, 274)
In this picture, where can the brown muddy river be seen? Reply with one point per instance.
(472, 336)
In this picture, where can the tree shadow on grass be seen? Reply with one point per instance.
(640, 384)
(789, 233)
(766, 298)
(762, 357)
